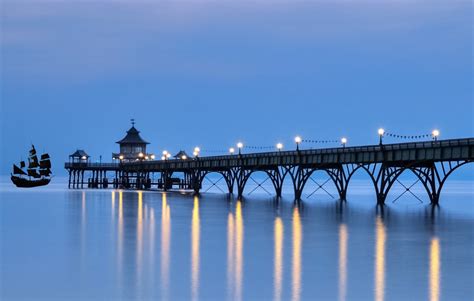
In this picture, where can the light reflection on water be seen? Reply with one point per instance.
(139, 247)
(296, 260)
(257, 266)
(343, 237)
(195, 239)
(165, 246)
(380, 238)
(278, 264)
(435, 267)
(239, 256)
(230, 255)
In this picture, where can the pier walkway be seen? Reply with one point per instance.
(432, 162)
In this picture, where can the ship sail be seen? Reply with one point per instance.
(45, 162)
(22, 164)
(32, 150)
(18, 171)
(33, 162)
(33, 173)
(45, 172)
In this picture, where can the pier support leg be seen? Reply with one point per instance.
(277, 176)
(299, 176)
(197, 177)
(383, 177)
(69, 181)
(433, 176)
(241, 177)
(340, 175)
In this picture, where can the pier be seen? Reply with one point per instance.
(432, 162)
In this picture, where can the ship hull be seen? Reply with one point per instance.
(25, 183)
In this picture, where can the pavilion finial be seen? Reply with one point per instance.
(133, 121)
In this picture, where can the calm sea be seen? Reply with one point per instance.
(60, 244)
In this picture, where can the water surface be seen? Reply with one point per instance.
(140, 245)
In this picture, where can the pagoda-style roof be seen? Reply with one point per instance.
(132, 137)
(79, 154)
(181, 154)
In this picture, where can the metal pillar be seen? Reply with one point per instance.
(433, 176)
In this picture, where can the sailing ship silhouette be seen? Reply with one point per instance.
(38, 172)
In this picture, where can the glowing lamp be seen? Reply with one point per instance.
(298, 139)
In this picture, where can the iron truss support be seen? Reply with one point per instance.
(241, 176)
(434, 175)
(199, 175)
(340, 175)
(383, 177)
(277, 176)
(299, 175)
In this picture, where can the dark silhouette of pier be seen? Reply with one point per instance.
(432, 162)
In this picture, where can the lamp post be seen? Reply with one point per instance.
(165, 155)
(240, 145)
(343, 141)
(435, 135)
(279, 146)
(381, 133)
(152, 157)
(298, 141)
(231, 150)
(121, 158)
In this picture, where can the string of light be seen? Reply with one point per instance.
(319, 141)
(393, 135)
(259, 147)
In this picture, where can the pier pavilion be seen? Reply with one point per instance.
(132, 147)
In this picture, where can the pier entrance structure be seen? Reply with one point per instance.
(431, 162)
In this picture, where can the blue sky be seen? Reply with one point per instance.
(210, 73)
